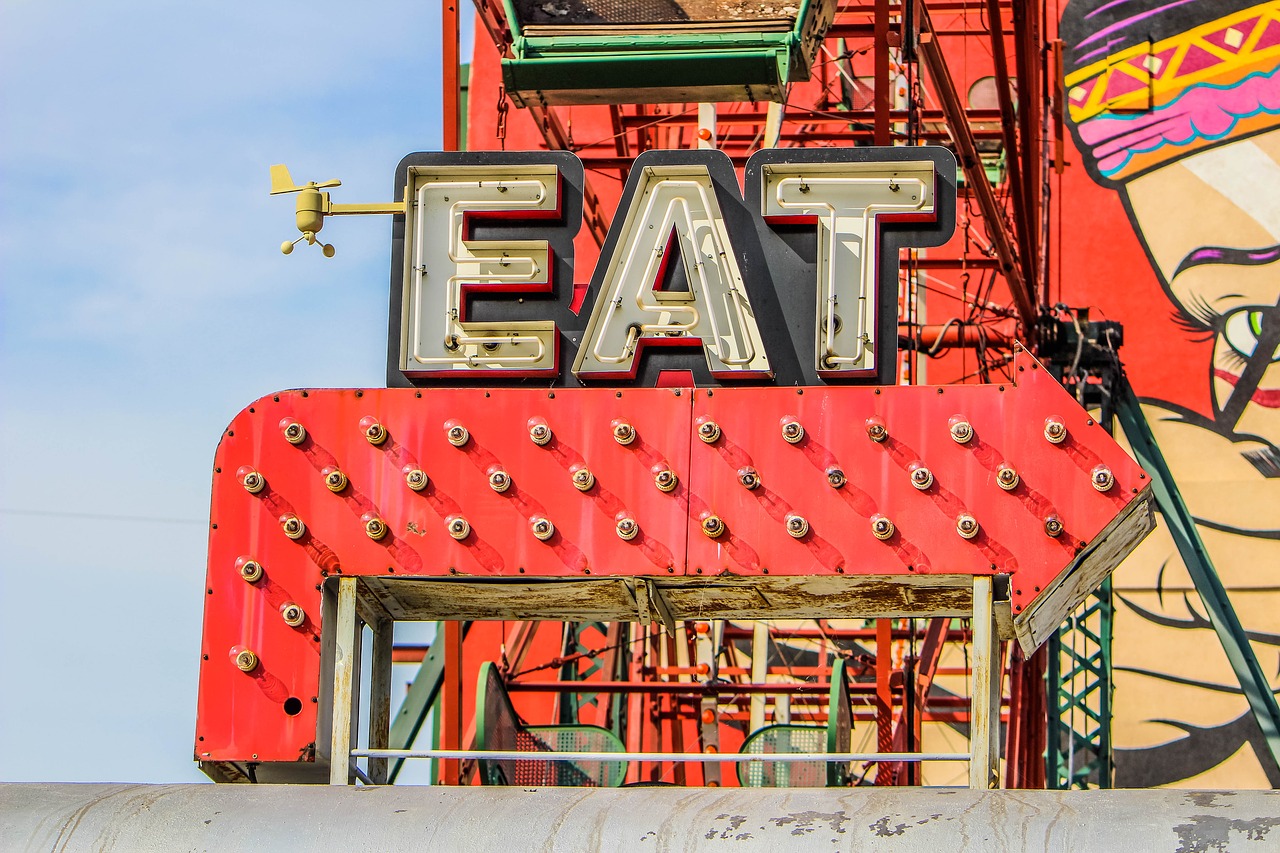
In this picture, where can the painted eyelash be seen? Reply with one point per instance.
(1199, 312)
(1198, 331)
(1232, 360)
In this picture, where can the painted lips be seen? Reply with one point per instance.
(1266, 397)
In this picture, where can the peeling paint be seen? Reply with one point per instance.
(883, 830)
(807, 822)
(1213, 834)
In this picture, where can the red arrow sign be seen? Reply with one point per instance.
(816, 502)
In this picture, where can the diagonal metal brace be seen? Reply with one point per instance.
(1203, 574)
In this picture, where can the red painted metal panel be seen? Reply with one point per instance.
(375, 438)
(1008, 422)
(242, 716)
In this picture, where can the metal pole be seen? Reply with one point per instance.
(783, 757)
(1182, 526)
(449, 75)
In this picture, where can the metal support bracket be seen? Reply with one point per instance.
(1182, 527)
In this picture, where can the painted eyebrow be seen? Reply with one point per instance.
(1225, 255)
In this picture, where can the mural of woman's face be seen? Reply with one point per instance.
(1211, 222)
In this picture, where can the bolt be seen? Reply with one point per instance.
(749, 478)
(252, 481)
(375, 432)
(626, 529)
(876, 430)
(881, 527)
(583, 479)
(623, 432)
(709, 431)
(416, 479)
(539, 433)
(921, 477)
(334, 480)
(961, 430)
(375, 527)
(1053, 526)
(250, 570)
(293, 614)
(835, 478)
(966, 525)
(713, 526)
(792, 431)
(665, 480)
(292, 526)
(542, 528)
(1007, 478)
(294, 432)
(1055, 430)
(499, 480)
(1102, 478)
(797, 525)
(457, 434)
(458, 527)
(245, 660)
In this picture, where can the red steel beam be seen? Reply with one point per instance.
(449, 75)
(1013, 156)
(1026, 25)
(967, 152)
(881, 64)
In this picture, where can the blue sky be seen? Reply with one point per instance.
(145, 301)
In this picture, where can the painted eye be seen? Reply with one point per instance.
(1242, 328)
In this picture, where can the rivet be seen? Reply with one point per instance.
(582, 478)
(966, 525)
(292, 614)
(1055, 430)
(244, 659)
(542, 528)
(665, 480)
(921, 477)
(961, 429)
(456, 434)
(1053, 526)
(881, 527)
(792, 431)
(1102, 478)
(623, 432)
(797, 526)
(250, 570)
(374, 432)
(876, 430)
(252, 481)
(374, 527)
(334, 480)
(539, 432)
(709, 431)
(1007, 477)
(416, 479)
(292, 526)
(458, 527)
(749, 478)
(294, 432)
(626, 528)
(835, 478)
(712, 526)
(499, 480)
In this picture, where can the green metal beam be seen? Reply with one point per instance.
(1205, 577)
(1078, 748)
(417, 705)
